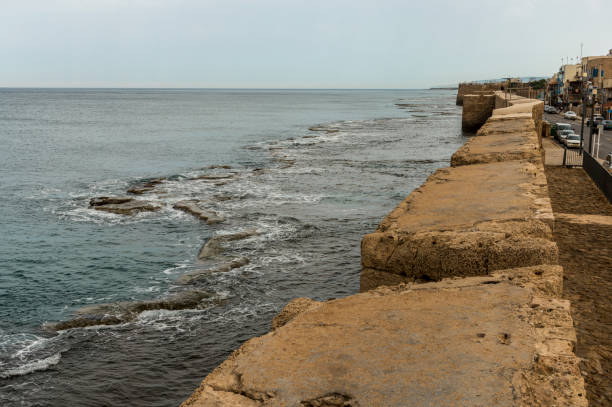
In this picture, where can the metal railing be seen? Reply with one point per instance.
(600, 175)
(572, 158)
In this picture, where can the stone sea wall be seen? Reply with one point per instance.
(476, 89)
(460, 302)
(476, 110)
(489, 211)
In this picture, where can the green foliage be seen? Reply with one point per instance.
(539, 84)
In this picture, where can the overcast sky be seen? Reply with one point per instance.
(292, 43)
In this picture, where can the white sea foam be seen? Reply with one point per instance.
(17, 345)
(33, 366)
(175, 270)
(150, 289)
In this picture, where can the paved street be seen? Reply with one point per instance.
(606, 140)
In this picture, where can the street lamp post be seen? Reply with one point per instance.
(584, 74)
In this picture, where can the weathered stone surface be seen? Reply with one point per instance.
(500, 140)
(468, 220)
(194, 208)
(518, 105)
(545, 278)
(196, 276)
(122, 205)
(519, 123)
(476, 89)
(213, 246)
(499, 147)
(476, 110)
(296, 307)
(480, 341)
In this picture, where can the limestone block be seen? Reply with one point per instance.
(464, 221)
(476, 110)
(467, 342)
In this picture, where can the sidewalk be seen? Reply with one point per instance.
(553, 152)
(583, 231)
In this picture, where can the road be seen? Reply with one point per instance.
(605, 146)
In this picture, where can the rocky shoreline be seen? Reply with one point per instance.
(189, 291)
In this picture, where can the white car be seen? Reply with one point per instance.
(570, 115)
(573, 140)
(564, 134)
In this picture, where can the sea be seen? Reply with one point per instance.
(311, 171)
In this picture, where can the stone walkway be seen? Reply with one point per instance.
(583, 232)
(554, 152)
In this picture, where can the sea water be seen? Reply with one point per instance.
(310, 194)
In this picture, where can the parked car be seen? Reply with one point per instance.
(563, 134)
(597, 119)
(570, 115)
(609, 160)
(550, 109)
(607, 124)
(560, 127)
(572, 141)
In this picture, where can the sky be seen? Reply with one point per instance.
(292, 43)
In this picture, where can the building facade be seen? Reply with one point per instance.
(599, 73)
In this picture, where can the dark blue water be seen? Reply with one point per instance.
(312, 196)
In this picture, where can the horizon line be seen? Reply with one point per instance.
(211, 88)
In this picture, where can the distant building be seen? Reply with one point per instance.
(553, 92)
(599, 73)
(569, 80)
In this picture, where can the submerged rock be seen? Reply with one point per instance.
(225, 167)
(148, 186)
(109, 200)
(139, 190)
(121, 205)
(194, 208)
(214, 176)
(288, 162)
(323, 128)
(121, 312)
(195, 276)
(213, 246)
(222, 197)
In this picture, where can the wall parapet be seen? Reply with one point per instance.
(471, 88)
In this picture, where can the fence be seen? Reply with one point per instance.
(572, 158)
(599, 175)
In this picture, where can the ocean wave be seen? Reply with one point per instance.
(26, 353)
(33, 366)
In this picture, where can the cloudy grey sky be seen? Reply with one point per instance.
(292, 43)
